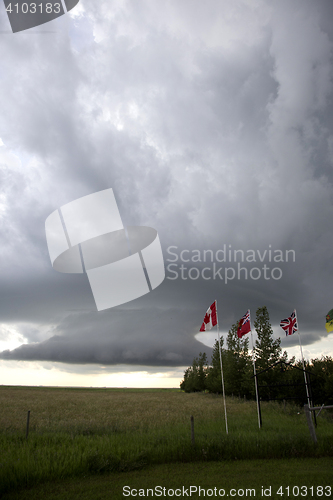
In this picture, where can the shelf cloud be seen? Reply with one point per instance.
(213, 125)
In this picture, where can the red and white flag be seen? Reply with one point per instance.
(210, 319)
(244, 325)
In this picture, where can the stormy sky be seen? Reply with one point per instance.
(212, 123)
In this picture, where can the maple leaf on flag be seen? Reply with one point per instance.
(210, 318)
(289, 325)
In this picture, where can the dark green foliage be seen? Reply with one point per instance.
(283, 381)
(195, 375)
(267, 350)
(213, 379)
(321, 380)
(238, 367)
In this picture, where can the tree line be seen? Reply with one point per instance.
(279, 378)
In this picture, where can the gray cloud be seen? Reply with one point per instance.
(117, 336)
(212, 125)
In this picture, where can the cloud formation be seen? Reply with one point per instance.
(212, 124)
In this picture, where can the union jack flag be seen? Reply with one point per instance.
(244, 325)
(289, 325)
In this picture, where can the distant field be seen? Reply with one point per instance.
(83, 432)
(97, 410)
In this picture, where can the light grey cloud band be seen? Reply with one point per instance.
(113, 257)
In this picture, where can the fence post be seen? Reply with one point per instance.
(28, 419)
(310, 423)
(192, 429)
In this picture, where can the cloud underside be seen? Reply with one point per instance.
(85, 339)
(213, 125)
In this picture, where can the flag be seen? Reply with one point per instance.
(210, 319)
(289, 325)
(329, 321)
(244, 325)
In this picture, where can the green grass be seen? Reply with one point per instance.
(242, 475)
(76, 433)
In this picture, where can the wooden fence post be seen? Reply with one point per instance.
(28, 419)
(192, 429)
(310, 423)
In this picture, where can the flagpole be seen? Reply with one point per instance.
(255, 379)
(305, 377)
(223, 392)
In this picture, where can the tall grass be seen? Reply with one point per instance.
(79, 432)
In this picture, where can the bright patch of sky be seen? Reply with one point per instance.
(62, 375)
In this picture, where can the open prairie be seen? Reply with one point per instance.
(76, 433)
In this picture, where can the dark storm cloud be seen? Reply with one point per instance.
(212, 125)
(120, 336)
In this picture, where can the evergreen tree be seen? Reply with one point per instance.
(213, 379)
(237, 367)
(195, 375)
(201, 372)
(267, 349)
(322, 380)
(187, 383)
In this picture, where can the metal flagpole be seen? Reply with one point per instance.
(255, 378)
(218, 334)
(305, 377)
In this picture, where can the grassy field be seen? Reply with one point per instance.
(305, 476)
(83, 433)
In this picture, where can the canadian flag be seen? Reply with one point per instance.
(210, 319)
